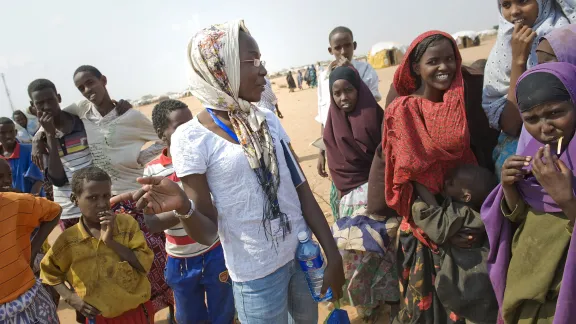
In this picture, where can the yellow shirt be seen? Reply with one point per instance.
(96, 272)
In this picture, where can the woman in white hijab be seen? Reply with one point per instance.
(521, 24)
(241, 157)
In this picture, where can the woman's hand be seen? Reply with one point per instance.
(158, 195)
(553, 175)
(522, 41)
(512, 169)
(334, 278)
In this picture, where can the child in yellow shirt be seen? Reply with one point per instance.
(104, 257)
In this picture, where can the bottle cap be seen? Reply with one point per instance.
(302, 236)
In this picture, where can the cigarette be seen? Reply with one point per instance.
(559, 150)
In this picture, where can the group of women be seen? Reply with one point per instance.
(441, 114)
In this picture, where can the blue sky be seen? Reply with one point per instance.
(140, 45)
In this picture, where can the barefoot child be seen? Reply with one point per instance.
(462, 283)
(195, 272)
(23, 299)
(104, 257)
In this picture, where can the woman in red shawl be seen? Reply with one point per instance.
(425, 135)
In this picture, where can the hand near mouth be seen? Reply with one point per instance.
(522, 40)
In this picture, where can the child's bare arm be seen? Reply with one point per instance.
(107, 223)
(43, 231)
(75, 301)
(425, 194)
(126, 254)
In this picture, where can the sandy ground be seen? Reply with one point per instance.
(299, 109)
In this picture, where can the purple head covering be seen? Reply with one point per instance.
(563, 42)
(499, 229)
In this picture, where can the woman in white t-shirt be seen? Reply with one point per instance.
(241, 156)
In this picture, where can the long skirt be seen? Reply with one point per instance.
(367, 245)
(33, 306)
(418, 266)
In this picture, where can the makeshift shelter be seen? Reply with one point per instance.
(385, 54)
(489, 33)
(466, 39)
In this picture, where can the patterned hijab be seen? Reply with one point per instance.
(423, 140)
(214, 76)
(551, 14)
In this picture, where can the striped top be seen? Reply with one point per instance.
(178, 243)
(20, 215)
(75, 155)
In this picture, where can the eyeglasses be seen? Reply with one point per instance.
(256, 62)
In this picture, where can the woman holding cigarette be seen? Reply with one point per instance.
(532, 270)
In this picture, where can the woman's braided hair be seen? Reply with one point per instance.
(419, 51)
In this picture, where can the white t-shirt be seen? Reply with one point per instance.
(116, 142)
(368, 75)
(239, 198)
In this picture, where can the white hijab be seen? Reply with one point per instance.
(551, 14)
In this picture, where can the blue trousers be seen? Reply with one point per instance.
(202, 288)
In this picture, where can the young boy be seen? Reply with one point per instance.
(462, 283)
(26, 176)
(195, 272)
(342, 45)
(104, 257)
(23, 299)
(67, 145)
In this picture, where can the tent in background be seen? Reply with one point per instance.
(485, 34)
(386, 54)
(467, 38)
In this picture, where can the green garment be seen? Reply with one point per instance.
(539, 251)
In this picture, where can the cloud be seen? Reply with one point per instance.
(57, 21)
(190, 25)
(15, 61)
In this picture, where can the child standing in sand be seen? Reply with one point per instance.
(104, 257)
(342, 46)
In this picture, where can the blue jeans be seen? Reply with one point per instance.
(279, 298)
(200, 280)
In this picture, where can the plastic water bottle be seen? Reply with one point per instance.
(312, 263)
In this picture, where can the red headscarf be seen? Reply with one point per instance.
(423, 140)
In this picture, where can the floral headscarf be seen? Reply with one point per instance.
(214, 75)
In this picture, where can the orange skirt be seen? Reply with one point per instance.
(143, 314)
